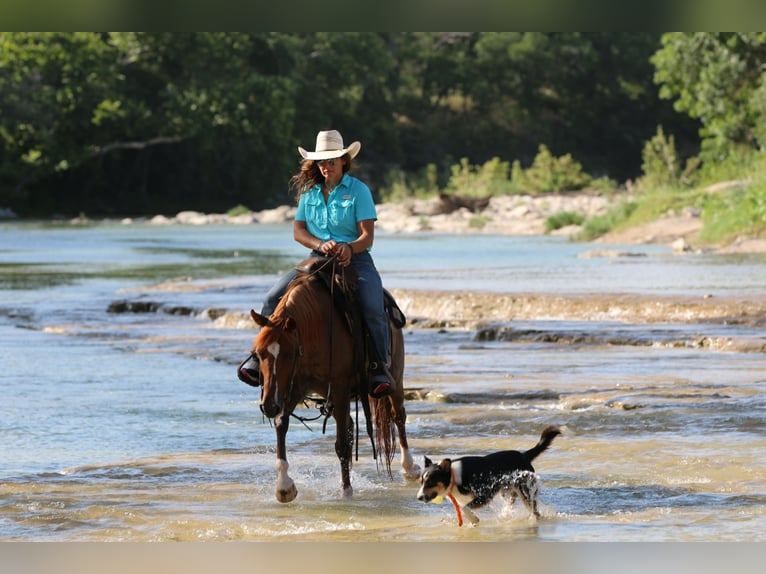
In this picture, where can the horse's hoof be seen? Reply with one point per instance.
(347, 492)
(288, 494)
(412, 473)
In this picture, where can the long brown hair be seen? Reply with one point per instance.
(309, 175)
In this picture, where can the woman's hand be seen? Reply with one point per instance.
(344, 252)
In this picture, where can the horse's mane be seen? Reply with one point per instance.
(301, 302)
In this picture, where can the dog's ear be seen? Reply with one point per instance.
(446, 464)
(427, 462)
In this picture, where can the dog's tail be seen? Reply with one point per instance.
(546, 438)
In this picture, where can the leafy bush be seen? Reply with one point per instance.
(489, 179)
(601, 224)
(238, 210)
(661, 165)
(479, 221)
(549, 174)
(495, 177)
(562, 219)
(740, 212)
(398, 186)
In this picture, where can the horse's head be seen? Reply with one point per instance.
(277, 349)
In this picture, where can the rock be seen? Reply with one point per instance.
(609, 253)
(680, 245)
(277, 215)
(191, 218)
(745, 245)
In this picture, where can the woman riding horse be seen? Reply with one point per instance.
(336, 216)
(304, 349)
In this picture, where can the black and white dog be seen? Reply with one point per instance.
(473, 481)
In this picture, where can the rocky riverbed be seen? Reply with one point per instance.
(472, 309)
(527, 215)
(508, 215)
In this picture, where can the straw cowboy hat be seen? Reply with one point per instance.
(330, 145)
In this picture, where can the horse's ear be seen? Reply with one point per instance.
(427, 462)
(259, 319)
(445, 464)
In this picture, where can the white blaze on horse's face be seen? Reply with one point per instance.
(273, 390)
(273, 350)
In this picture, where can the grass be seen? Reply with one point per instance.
(735, 211)
(615, 218)
(562, 219)
(742, 211)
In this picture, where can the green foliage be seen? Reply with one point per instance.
(718, 78)
(479, 181)
(597, 226)
(604, 185)
(562, 219)
(53, 86)
(740, 212)
(398, 186)
(77, 102)
(547, 174)
(728, 213)
(479, 221)
(660, 165)
(740, 163)
(550, 174)
(136, 123)
(238, 210)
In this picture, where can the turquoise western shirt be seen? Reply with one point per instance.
(349, 203)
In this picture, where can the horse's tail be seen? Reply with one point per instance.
(385, 431)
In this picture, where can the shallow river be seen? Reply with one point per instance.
(131, 426)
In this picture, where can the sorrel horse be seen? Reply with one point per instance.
(305, 349)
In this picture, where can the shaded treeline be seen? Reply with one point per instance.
(145, 123)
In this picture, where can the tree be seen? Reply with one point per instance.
(715, 77)
(135, 123)
(58, 90)
(86, 111)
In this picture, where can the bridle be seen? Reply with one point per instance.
(297, 353)
(325, 406)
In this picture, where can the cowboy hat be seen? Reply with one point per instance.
(330, 145)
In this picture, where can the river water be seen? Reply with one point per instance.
(122, 418)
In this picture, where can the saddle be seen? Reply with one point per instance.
(342, 282)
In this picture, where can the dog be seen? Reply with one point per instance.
(473, 481)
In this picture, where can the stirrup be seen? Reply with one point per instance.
(381, 381)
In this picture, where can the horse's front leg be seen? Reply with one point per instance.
(344, 440)
(286, 490)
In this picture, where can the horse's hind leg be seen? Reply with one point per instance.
(410, 470)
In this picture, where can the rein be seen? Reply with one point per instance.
(325, 407)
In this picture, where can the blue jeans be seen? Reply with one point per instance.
(369, 292)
